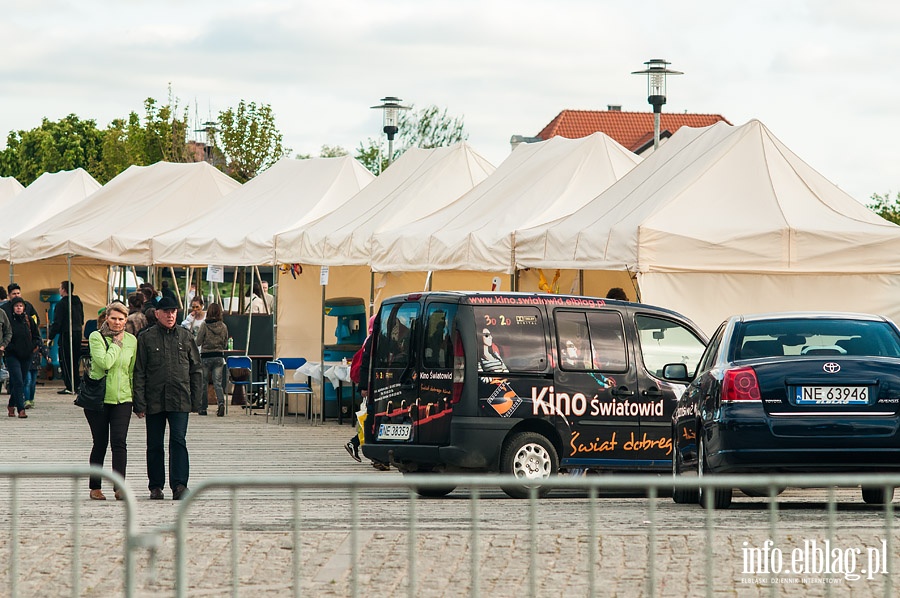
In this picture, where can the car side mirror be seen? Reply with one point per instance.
(676, 371)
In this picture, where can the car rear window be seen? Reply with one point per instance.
(438, 350)
(817, 337)
(393, 346)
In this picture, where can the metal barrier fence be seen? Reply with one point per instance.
(593, 485)
(78, 477)
(583, 516)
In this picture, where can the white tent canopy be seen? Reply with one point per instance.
(418, 183)
(240, 229)
(49, 194)
(9, 188)
(115, 224)
(733, 203)
(536, 183)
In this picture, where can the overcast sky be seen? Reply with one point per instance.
(818, 73)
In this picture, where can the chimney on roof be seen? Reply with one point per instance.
(516, 140)
(614, 107)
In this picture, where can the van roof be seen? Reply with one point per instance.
(522, 298)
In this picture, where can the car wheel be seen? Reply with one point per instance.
(877, 495)
(431, 491)
(682, 496)
(721, 497)
(529, 456)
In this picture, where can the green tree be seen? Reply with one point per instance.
(55, 145)
(249, 139)
(884, 207)
(162, 136)
(327, 151)
(74, 143)
(332, 151)
(427, 128)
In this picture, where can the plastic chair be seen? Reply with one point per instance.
(240, 373)
(279, 389)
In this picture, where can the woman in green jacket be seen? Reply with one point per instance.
(113, 353)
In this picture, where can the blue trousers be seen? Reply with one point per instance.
(179, 465)
(18, 374)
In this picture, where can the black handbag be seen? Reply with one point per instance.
(91, 393)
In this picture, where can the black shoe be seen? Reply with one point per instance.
(64, 391)
(220, 412)
(156, 494)
(354, 452)
(179, 492)
(201, 412)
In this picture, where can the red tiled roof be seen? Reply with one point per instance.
(631, 129)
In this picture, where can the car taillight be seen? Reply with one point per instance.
(459, 368)
(740, 385)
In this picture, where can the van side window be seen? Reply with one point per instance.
(591, 341)
(573, 340)
(666, 341)
(510, 339)
(395, 335)
(438, 351)
(608, 341)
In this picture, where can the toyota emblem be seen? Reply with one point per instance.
(831, 367)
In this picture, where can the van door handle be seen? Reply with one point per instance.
(622, 391)
(652, 392)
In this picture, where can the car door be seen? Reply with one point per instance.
(394, 385)
(433, 409)
(594, 386)
(662, 340)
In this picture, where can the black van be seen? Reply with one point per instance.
(524, 383)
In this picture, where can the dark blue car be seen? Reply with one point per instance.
(792, 392)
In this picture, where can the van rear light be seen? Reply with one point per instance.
(459, 368)
(740, 385)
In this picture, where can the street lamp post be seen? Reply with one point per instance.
(390, 107)
(656, 72)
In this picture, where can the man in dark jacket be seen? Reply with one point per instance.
(69, 334)
(168, 386)
(14, 290)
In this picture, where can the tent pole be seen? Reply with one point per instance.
(259, 278)
(275, 282)
(233, 287)
(69, 298)
(371, 293)
(175, 284)
(322, 356)
(249, 315)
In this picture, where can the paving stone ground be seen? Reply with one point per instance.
(562, 560)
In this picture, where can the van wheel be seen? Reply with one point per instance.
(528, 456)
(877, 495)
(721, 497)
(431, 491)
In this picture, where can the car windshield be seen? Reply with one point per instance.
(812, 336)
